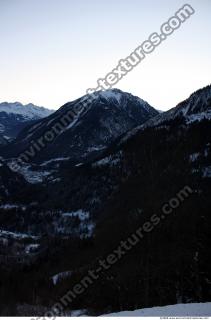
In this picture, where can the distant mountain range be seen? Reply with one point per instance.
(15, 116)
(104, 176)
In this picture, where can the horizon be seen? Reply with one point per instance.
(41, 106)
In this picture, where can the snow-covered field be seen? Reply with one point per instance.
(177, 310)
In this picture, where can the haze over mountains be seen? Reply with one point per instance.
(112, 168)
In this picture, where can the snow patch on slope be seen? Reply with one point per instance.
(16, 235)
(60, 276)
(31, 176)
(82, 215)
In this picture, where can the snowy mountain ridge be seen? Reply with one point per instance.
(195, 108)
(28, 111)
(15, 116)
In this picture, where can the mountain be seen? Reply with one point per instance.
(163, 164)
(109, 115)
(196, 108)
(163, 144)
(150, 187)
(16, 116)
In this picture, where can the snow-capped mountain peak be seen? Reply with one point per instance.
(116, 95)
(107, 116)
(28, 111)
(15, 116)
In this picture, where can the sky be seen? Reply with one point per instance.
(52, 51)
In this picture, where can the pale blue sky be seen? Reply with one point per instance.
(51, 51)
